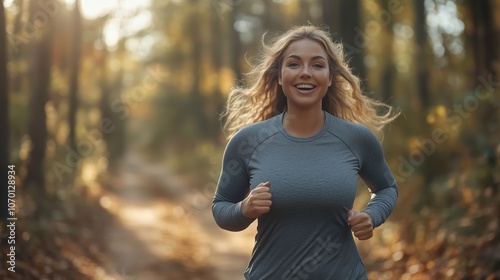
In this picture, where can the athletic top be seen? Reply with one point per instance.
(305, 234)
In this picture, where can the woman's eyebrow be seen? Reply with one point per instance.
(313, 58)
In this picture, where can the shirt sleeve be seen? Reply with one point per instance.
(378, 177)
(233, 186)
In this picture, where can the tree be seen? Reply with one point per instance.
(116, 143)
(387, 61)
(217, 57)
(4, 110)
(485, 43)
(76, 41)
(40, 76)
(18, 47)
(421, 43)
(235, 42)
(483, 40)
(195, 36)
(104, 103)
(343, 18)
(272, 17)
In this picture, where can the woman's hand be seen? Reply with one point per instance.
(361, 224)
(257, 202)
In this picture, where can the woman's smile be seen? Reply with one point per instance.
(304, 88)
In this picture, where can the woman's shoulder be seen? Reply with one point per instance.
(258, 131)
(349, 129)
(355, 135)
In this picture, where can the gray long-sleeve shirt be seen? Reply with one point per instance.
(313, 180)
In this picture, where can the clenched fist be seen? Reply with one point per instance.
(257, 202)
(361, 224)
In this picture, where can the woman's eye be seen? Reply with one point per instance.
(319, 65)
(293, 64)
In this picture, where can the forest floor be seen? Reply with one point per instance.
(140, 222)
(172, 218)
(145, 222)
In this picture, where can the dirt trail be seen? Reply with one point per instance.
(168, 217)
(230, 250)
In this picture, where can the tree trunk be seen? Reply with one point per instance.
(235, 44)
(267, 16)
(216, 46)
(18, 47)
(196, 70)
(4, 112)
(304, 7)
(343, 18)
(121, 111)
(422, 102)
(387, 60)
(40, 76)
(484, 43)
(331, 15)
(387, 79)
(483, 38)
(421, 43)
(105, 101)
(350, 19)
(76, 40)
(217, 98)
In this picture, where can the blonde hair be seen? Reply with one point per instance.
(265, 99)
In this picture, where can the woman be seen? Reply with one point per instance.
(300, 137)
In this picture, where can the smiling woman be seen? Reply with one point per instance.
(266, 98)
(303, 138)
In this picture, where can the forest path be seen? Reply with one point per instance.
(170, 222)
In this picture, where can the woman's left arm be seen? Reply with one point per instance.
(378, 177)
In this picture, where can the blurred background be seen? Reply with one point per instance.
(109, 116)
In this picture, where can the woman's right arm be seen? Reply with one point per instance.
(233, 187)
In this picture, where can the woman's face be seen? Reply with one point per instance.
(305, 74)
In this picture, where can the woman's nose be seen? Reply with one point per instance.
(305, 73)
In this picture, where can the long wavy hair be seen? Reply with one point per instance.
(265, 99)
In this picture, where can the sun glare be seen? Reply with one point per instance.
(95, 8)
(7, 3)
(124, 16)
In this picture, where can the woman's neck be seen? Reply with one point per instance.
(303, 123)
